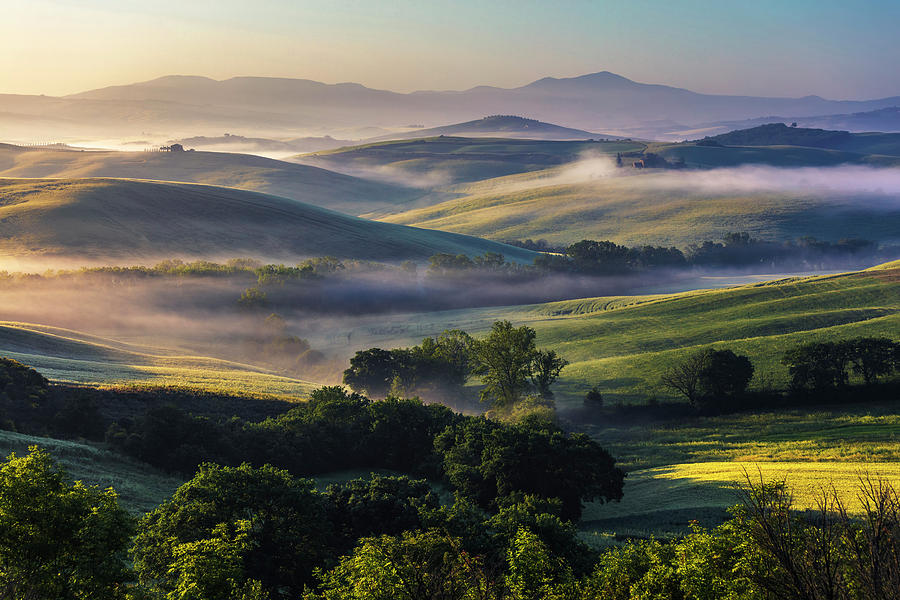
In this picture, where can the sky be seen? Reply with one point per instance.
(833, 48)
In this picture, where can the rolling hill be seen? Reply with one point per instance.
(623, 343)
(78, 357)
(442, 160)
(310, 185)
(596, 201)
(779, 134)
(92, 220)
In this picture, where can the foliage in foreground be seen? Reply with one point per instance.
(59, 540)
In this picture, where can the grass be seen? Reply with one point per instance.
(70, 356)
(654, 207)
(140, 487)
(89, 220)
(304, 183)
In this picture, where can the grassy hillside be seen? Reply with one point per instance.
(654, 207)
(120, 219)
(623, 344)
(72, 356)
(140, 487)
(307, 184)
(435, 161)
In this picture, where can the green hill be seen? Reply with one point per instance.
(653, 207)
(310, 185)
(624, 343)
(77, 357)
(436, 161)
(90, 220)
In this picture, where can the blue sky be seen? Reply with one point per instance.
(763, 47)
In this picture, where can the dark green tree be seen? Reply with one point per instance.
(373, 371)
(872, 358)
(504, 361)
(280, 522)
(546, 366)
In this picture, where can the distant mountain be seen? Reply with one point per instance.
(779, 134)
(277, 106)
(90, 220)
(505, 126)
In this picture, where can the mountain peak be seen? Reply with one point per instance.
(599, 79)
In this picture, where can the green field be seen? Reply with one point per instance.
(113, 220)
(306, 184)
(690, 469)
(564, 205)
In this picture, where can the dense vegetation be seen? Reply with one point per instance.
(249, 533)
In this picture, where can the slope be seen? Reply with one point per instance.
(593, 200)
(443, 160)
(77, 357)
(95, 219)
(307, 184)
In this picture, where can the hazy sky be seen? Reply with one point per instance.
(833, 48)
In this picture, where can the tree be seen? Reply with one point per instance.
(818, 366)
(684, 377)
(724, 377)
(873, 357)
(709, 376)
(59, 540)
(372, 371)
(424, 565)
(489, 463)
(546, 366)
(504, 360)
(378, 506)
(288, 534)
(593, 399)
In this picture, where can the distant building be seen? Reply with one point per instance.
(172, 148)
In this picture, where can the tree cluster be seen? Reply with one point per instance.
(508, 362)
(825, 367)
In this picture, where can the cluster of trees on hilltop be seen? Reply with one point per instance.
(259, 533)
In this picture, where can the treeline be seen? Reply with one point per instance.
(735, 250)
(716, 380)
(247, 533)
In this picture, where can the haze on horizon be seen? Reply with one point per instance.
(829, 48)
